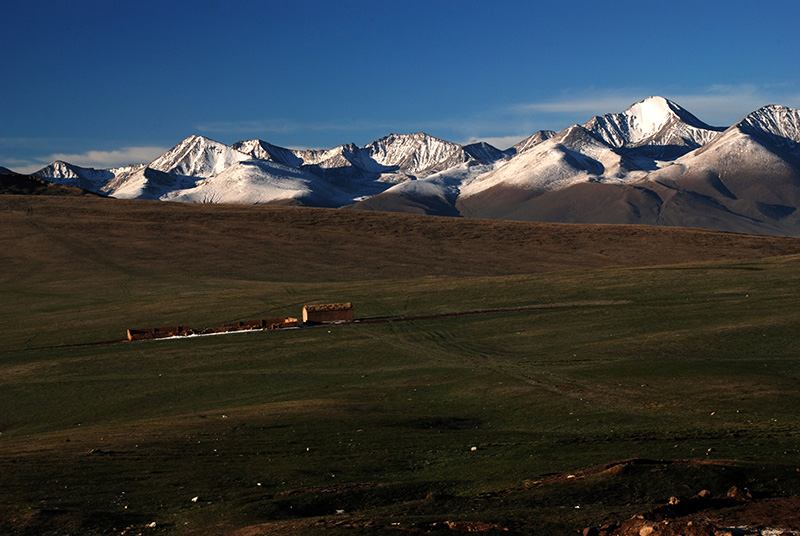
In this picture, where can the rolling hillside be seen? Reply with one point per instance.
(623, 365)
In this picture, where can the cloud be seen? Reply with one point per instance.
(94, 159)
(728, 104)
(718, 104)
(105, 159)
(584, 104)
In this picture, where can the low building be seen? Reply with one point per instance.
(159, 333)
(260, 323)
(328, 313)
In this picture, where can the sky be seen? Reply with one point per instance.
(101, 84)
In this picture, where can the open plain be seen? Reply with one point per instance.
(629, 365)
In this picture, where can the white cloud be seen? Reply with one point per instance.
(94, 159)
(106, 159)
(584, 104)
(718, 105)
(24, 167)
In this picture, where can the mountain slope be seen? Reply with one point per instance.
(746, 179)
(197, 156)
(262, 150)
(415, 154)
(752, 169)
(653, 163)
(256, 182)
(436, 194)
(572, 156)
(531, 141)
(71, 175)
(654, 127)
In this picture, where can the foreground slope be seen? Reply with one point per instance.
(299, 244)
(611, 381)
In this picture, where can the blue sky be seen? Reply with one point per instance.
(106, 83)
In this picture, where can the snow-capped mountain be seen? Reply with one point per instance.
(654, 163)
(572, 155)
(197, 156)
(746, 178)
(194, 159)
(531, 141)
(751, 170)
(393, 158)
(262, 150)
(254, 181)
(657, 126)
(87, 178)
(415, 154)
(774, 125)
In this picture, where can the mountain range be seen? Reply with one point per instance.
(654, 163)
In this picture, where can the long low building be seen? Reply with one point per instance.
(182, 331)
(328, 313)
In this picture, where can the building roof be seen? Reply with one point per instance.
(328, 307)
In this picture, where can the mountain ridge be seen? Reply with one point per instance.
(654, 163)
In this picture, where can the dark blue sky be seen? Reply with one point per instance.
(101, 83)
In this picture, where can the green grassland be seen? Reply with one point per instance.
(676, 348)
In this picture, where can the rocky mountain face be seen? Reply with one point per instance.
(654, 163)
(655, 127)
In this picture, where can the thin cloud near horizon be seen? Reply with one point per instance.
(95, 159)
(721, 105)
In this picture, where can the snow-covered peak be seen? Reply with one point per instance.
(266, 151)
(653, 121)
(531, 141)
(198, 156)
(72, 175)
(578, 138)
(651, 114)
(342, 155)
(58, 170)
(778, 124)
(415, 152)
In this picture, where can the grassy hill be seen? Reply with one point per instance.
(674, 348)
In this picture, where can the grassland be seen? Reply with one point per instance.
(677, 348)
